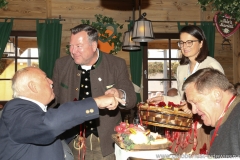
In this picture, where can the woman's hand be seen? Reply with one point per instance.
(156, 99)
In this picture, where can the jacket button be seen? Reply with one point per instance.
(91, 110)
(78, 74)
(77, 89)
(87, 111)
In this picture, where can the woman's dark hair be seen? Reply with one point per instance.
(198, 33)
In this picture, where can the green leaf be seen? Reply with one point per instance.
(3, 4)
(230, 7)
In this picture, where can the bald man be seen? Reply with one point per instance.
(29, 131)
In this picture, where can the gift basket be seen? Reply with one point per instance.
(162, 115)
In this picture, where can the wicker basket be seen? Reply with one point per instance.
(164, 117)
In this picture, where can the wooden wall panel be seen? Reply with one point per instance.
(24, 25)
(165, 27)
(223, 56)
(25, 8)
(172, 10)
(236, 57)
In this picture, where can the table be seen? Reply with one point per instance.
(122, 154)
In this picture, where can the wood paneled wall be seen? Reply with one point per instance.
(73, 11)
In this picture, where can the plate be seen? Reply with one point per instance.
(142, 146)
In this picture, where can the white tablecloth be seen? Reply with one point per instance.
(122, 154)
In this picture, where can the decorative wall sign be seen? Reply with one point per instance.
(225, 25)
(109, 33)
(103, 45)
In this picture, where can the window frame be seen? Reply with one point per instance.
(16, 35)
(167, 36)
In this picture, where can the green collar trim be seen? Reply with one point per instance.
(99, 59)
(64, 85)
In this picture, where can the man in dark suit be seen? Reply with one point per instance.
(88, 72)
(28, 131)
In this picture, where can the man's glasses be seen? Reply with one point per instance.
(188, 43)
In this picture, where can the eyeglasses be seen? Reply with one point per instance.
(188, 43)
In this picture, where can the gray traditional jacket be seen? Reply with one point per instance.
(109, 70)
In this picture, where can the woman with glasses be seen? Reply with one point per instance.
(195, 56)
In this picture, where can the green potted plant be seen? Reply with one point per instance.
(230, 7)
(3, 4)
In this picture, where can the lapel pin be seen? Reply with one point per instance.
(110, 86)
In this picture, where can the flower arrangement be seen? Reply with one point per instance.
(131, 137)
(229, 7)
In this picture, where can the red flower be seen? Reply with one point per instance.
(162, 104)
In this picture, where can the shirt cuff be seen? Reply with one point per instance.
(123, 97)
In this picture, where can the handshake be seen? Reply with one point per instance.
(108, 101)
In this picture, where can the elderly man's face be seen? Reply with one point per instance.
(44, 86)
(203, 104)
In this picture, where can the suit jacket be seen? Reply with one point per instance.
(29, 133)
(183, 74)
(227, 140)
(109, 70)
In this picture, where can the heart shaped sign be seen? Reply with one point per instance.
(109, 27)
(225, 25)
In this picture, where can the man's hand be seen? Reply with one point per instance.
(115, 92)
(108, 101)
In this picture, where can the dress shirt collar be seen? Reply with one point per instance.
(44, 108)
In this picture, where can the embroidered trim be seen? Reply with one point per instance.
(64, 85)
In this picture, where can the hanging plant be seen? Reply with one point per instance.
(3, 4)
(111, 36)
(229, 7)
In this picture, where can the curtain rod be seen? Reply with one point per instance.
(183, 21)
(174, 21)
(60, 18)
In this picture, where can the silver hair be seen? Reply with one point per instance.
(207, 79)
(19, 82)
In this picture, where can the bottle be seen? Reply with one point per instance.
(136, 120)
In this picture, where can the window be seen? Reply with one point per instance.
(160, 61)
(25, 54)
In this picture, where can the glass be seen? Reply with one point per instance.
(6, 91)
(159, 87)
(6, 69)
(22, 63)
(163, 53)
(188, 43)
(159, 69)
(29, 53)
